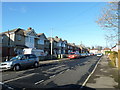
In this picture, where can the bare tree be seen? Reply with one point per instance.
(108, 20)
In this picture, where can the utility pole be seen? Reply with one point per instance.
(8, 45)
(51, 44)
(81, 46)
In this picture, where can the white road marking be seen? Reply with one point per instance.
(24, 71)
(56, 67)
(39, 82)
(11, 88)
(52, 76)
(67, 69)
(7, 86)
(62, 72)
(1, 83)
(19, 78)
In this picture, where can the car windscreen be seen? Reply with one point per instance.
(15, 58)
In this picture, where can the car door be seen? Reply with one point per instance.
(31, 59)
(24, 61)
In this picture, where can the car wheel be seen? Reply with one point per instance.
(36, 64)
(16, 68)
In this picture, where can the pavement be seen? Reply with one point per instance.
(103, 78)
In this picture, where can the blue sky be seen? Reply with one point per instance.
(72, 21)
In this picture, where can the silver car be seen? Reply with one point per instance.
(99, 54)
(20, 61)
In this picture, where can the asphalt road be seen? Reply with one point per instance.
(67, 73)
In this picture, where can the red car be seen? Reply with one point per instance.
(73, 55)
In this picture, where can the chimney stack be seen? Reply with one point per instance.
(29, 28)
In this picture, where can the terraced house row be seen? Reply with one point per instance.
(14, 41)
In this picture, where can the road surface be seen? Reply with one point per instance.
(66, 73)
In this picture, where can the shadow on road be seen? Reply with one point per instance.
(70, 87)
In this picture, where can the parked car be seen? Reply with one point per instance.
(83, 54)
(91, 54)
(88, 54)
(20, 61)
(73, 55)
(99, 54)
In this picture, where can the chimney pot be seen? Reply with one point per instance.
(56, 37)
(29, 28)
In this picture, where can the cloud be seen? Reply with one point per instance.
(12, 9)
(21, 9)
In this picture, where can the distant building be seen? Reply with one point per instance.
(115, 48)
(95, 51)
(105, 49)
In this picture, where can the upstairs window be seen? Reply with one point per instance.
(59, 43)
(19, 37)
(41, 42)
(31, 40)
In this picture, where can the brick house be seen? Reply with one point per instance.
(105, 49)
(59, 45)
(30, 36)
(64, 47)
(12, 42)
(47, 47)
(70, 47)
(42, 43)
(95, 51)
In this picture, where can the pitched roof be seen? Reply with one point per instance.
(29, 30)
(69, 44)
(57, 39)
(73, 44)
(39, 34)
(106, 49)
(14, 30)
(49, 38)
(26, 31)
(64, 40)
(94, 49)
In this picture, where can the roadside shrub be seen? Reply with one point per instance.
(111, 64)
(119, 59)
(107, 52)
(113, 55)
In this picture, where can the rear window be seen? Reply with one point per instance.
(72, 53)
(99, 54)
(32, 56)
